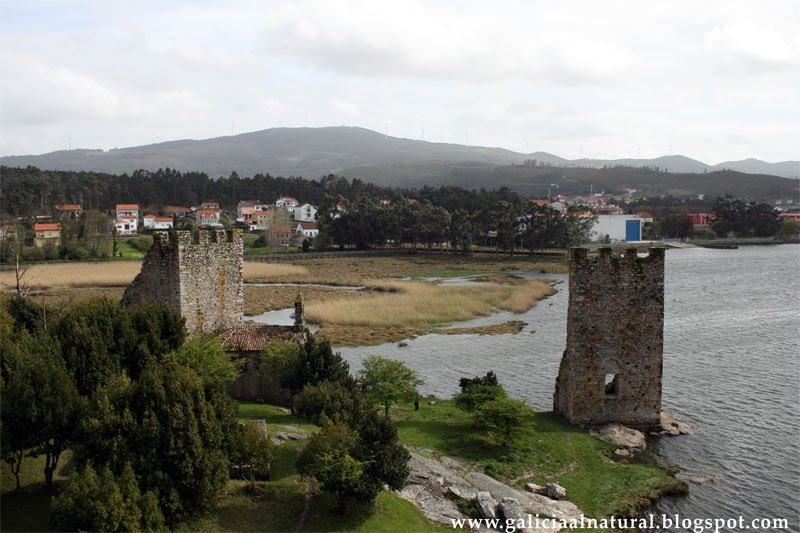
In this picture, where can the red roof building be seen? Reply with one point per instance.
(46, 234)
(701, 219)
(47, 227)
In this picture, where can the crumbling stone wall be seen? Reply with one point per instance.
(198, 274)
(612, 366)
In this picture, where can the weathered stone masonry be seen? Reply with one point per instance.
(198, 274)
(612, 366)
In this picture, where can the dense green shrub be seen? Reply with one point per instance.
(104, 502)
(293, 367)
(477, 391)
(355, 464)
(100, 337)
(32, 253)
(336, 401)
(142, 243)
(168, 428)
(204, 354)
(501, 420)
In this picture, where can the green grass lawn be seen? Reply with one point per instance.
(30, 510)
(548, 450)
(127, 251)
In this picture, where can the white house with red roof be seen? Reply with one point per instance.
(44, 234)
(307, 229)
(156, 223)
(126, 225)
(207, 218)
(128, 211)
(287, 202)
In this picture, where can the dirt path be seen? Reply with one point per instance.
(301, 522)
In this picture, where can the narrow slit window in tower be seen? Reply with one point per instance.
(612, 385)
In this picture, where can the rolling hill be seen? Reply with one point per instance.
(360, 153)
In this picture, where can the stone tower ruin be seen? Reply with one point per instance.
(198, 274)
(612, 366)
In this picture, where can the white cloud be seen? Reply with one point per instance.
(417, 40)
(717, 79)
(758, 44)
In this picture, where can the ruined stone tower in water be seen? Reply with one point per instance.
(612, 366)
(198, 274)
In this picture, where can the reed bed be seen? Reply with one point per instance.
(261, 298)
(121, 273)
(101, 274)
(512, 326)
(420, 304)
(255, 271)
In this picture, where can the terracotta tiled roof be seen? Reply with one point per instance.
(68, 207)
(163, 219)
(256, 337)
(127, 206)
(308, 225)
(47, 227)
(203, 212)
(644, 214)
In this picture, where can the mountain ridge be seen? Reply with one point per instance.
(312, 152)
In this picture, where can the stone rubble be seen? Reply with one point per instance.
(673, 427)
(619, 435)
(434, 481)
(534, 488)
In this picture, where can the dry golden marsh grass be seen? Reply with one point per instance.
(121, 273)
(390, 310)
(414, 307)
(106, 274)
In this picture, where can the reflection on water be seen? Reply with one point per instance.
(731, 367)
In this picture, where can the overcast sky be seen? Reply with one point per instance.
(715, 79)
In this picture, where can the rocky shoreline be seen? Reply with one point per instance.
(438, 484)
(445, 489)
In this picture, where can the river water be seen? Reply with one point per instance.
(731, 367)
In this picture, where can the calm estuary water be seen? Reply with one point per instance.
(731, 367)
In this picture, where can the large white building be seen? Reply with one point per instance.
(617, 228)
(305, 213)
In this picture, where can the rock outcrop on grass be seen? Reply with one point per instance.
(444, 489)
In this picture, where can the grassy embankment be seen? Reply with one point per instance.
(548, 450)
(393, 310)
(275, 506)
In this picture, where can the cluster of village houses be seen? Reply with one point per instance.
(288, 221)
(285, 222)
